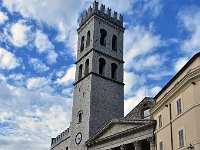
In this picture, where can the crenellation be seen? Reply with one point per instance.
(65, 134)
(95, 6)
(102, 9)
(102, 12)
(115, 15)
(109, 12)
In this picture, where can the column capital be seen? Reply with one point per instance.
(151, 140)
(137, 145)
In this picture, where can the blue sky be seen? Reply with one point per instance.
(38, 50)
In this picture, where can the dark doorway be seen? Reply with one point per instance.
(145, 145)
(130, 146)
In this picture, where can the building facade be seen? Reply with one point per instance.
(177, 110)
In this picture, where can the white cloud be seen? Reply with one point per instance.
(37, 82)
(132, 81)
(44, 45)
(138, 96)
(2, 77)
(19, 35)
(180, 63)
(8, 60)
(5, 116)
(42, 42)
(52, 56)
(189, 18)
(148, 62)
(131, 102)
(3, 18)
(139, 41)
(155, 90)
(30, 117)
(158, 75)
(38, 65)
(61, 14)
(68, 77)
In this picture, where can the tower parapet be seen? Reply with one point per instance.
(102, 12)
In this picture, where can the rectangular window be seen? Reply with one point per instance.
(160, 121)
(161, 146)
(179, 107)
(181, 138)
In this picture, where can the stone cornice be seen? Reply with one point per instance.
(102, 53)
(101, 76)
(186, 79)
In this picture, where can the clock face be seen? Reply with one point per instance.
(78, 138)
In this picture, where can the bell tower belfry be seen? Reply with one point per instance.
(98, 88)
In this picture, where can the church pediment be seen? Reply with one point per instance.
(117, 128)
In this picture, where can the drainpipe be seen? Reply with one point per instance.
(171, 131)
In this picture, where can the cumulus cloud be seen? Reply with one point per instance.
(61, 14)
(44, 45)
(189, 17)
(135, 37)
(3, 17)
(42, 42)
(29, 116)
(8, 60)
(19, 34)
(52, 56)
(132, 80)
(180, 63)
(2, 77)
(38, 65)
(68, 77)
(36, 82)
(149, 61)
(138, 96)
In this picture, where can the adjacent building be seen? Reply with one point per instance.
(177, 110)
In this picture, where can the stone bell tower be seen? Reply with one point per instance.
(98, 88)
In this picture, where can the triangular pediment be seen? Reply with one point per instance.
(117, 128)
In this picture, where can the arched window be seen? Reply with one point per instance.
(114, 43)
(87, 67)
(103, 37)
(80, 72)
(113, 71)
(82, 43)
(80, 116)
(88, 39)
(102, 64)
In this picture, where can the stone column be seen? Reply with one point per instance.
(137, 145)
(151, 140)
(122, 147)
